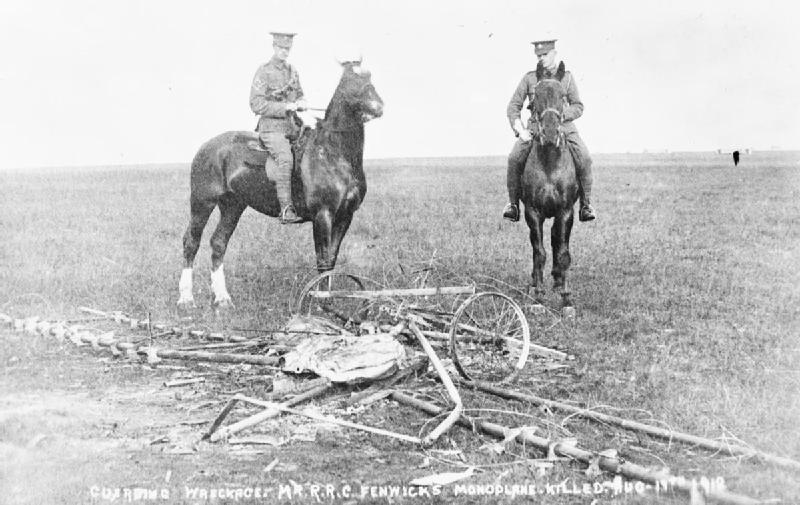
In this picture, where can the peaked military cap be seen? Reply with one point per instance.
(282, 39)
(543, 46)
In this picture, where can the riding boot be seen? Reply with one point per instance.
(583, 171)
(586, 212)
(283, 186)
(511, 210)
(516, 163)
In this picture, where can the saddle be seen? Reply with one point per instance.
(298, 137)
(298, 144)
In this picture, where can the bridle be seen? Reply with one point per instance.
(349, 126)
(540, 133)
(557, 112)
(559, 115)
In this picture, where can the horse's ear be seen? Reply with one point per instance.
(539, 71)
(561, 71)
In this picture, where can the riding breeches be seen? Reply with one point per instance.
(281, 151)
(580, 156)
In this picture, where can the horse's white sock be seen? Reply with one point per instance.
(218, 285)
(185, 285)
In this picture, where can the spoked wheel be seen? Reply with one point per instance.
(326, 295)
(489, 338)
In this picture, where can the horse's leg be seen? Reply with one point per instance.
(559, 238)
(535, 222)
(230, 210)
(200, 211)
(323, 231)
(339, 229)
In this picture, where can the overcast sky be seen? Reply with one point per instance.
(90, 82)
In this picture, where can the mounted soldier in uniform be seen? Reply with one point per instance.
(233, 171)
(546, 54)
(275, 95)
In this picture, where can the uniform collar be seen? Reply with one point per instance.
(274, 61)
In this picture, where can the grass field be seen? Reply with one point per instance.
(688, 311)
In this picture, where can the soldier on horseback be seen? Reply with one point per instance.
(275, 93)
(546, 54)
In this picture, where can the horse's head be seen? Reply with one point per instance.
(356, 94)
(548, 105)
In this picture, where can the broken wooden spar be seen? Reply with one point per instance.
(610, 464)
(214, 357)
(319, 417)
(259, 417)
(735, 450)
(451, 418)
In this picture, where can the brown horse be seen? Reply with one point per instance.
(549, 185)
(328, 183)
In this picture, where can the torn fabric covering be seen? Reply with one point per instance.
(346, 358)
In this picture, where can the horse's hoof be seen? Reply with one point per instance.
(537, 294)
(568, 313)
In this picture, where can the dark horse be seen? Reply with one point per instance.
(549, 184)
(328, 183)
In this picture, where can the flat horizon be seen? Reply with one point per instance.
(404, 158)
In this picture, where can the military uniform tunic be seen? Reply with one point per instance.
(572, 111)
(525, 89)
(275, 84)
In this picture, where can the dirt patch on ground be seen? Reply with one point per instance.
(79, 427)
(81, 435)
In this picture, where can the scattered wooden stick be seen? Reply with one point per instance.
(636, 426)
(292, 388)
(451, 418)
(547, 352)
(613, 465)
(340, 422)
(247, 422)
(219, 345)
(388, 293)
(214, 357)
(221, 417)
(479, 334)
(239, 345)
(184, 382)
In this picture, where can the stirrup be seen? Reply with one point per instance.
(289, 215)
